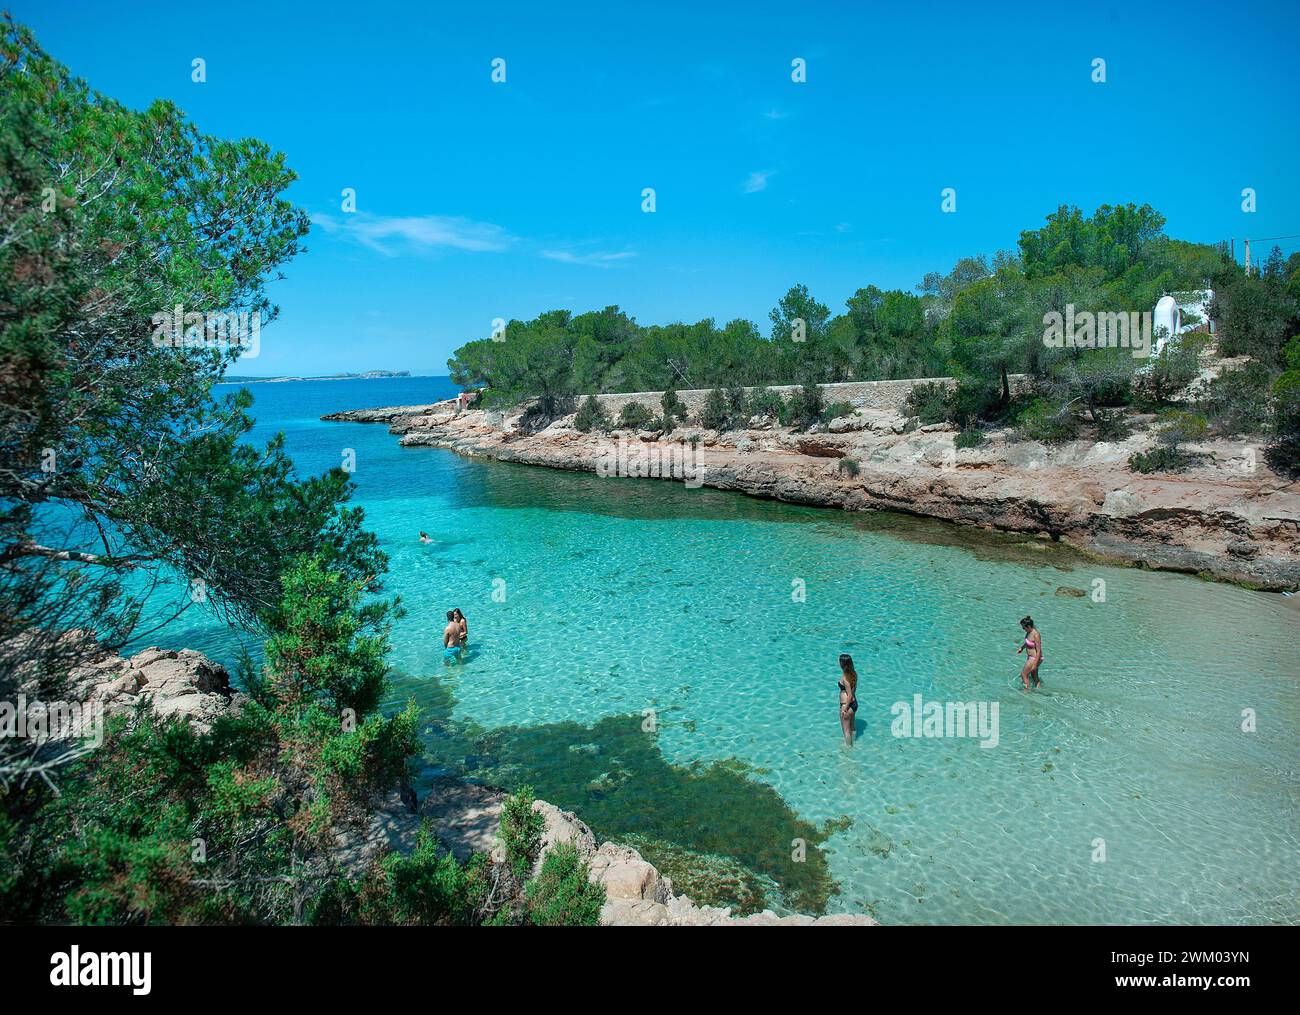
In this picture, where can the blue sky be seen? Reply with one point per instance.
(478, 200)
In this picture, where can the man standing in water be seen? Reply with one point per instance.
(451, 641)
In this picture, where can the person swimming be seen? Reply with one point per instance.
(848, 697)
(425, 537)
(451, 640)
(1034, 643)
(464, 627)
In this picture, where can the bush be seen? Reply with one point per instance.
(928, 402)
(1283, 451)
(635, 416)
(562, 895)
(1238, 401)
(764, 402)
(973, 400)
(805, 407)
(1167, 374)
(848, 467)
(1046, 421)
(716, 413)
(425, 888)
(971, 438)
(1169, 456)
(591, 416)
(521, 831)
(835, 410)
(674, 408)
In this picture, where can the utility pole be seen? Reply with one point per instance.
(1232, 248)
(1247, 242)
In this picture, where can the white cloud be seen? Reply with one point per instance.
(389, 234)
(596, 259)
(757, 181)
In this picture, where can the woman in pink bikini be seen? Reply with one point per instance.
(1034, 643)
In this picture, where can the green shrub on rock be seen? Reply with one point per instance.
(521, 831)
(635, 416)
(591, 416)
(562, 895)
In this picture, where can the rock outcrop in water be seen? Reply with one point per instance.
(1229, 517)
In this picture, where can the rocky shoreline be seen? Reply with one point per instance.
(1229, 518)
(464, 816)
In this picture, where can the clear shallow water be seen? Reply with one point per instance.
(622, 596)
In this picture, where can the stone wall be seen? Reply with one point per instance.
(887, 395)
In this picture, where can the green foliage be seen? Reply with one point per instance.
(1258, 312)
(591, 416)
(716, 414)
(424, 888)
(1050, 422)
(1169, 456)
(1284, 450)
(761, 402)
(634, 416)
(562, 895)
(970, 438)
(1237, 401)
(848, 467)
(804, 407)
(521, 831)
(674, 408)
(1167, 374)
(928, 402)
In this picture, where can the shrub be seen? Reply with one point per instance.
(634, 416)
(848, 467)
(973, 400)
(674, 408)
(425, 888)
(804, 409)
(521, 831)
(1169, 456)
(1046, 421)
(1237, 401)
(928, 402)
(764, 402)
(835, 410)
(1284, 450)
(562, 895)
(716, 413)
(1167, 374)
(970, 438)
(591, 416)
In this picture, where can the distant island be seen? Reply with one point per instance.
(367, 376)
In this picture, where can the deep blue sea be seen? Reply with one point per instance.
(642, 652)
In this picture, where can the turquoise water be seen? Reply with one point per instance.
(613, 597)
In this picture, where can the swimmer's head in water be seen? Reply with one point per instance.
(1027, 623)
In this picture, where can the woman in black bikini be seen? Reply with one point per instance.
(848, 696)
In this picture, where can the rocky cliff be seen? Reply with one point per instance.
(1229, 517)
